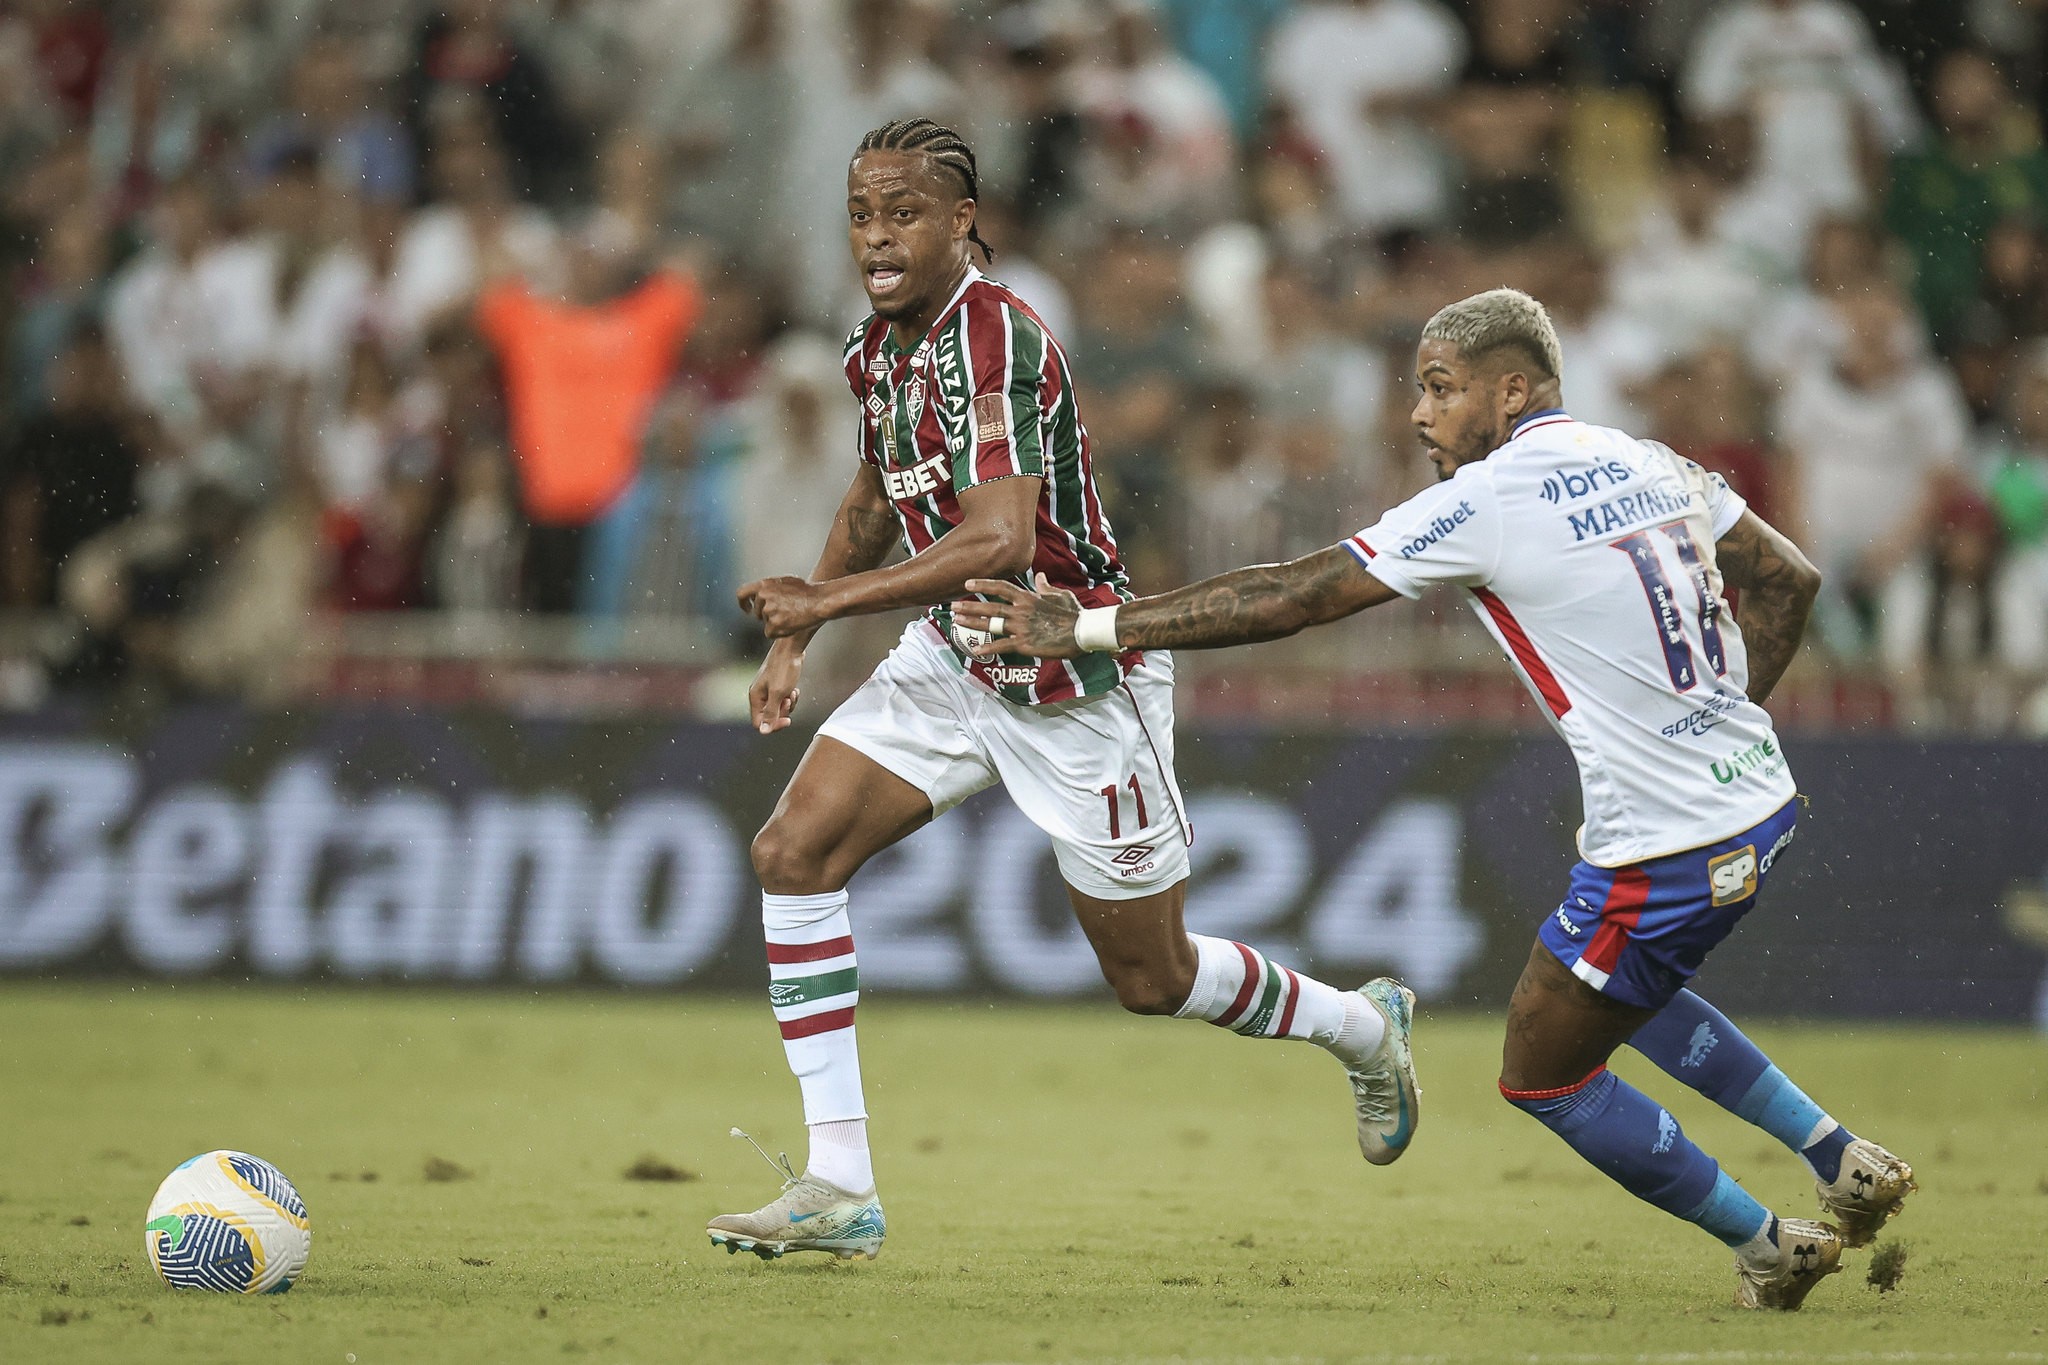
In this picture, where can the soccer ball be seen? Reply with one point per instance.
(228, 1222)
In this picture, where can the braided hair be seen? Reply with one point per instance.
(942, 145)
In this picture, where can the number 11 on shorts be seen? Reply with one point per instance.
(1113, 795)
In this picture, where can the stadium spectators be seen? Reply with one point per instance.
(1983, 170)
(581, 376)
(1363, 78)
(1876, 436)
(343, 262)
(1799, 90)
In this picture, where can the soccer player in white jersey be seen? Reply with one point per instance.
(1598, 562)
(973, 453)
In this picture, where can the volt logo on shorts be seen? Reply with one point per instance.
(1564, 922)
(1732, 876)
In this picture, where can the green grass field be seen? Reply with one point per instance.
(1061, 1184)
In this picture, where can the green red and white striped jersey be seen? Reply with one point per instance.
(987, 395)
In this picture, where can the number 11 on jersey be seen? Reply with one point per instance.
(1642, 554)
(1114, 797)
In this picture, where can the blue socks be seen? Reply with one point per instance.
(1695, 1043)
(1638, 1144)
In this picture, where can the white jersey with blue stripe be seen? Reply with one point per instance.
(1589, 554)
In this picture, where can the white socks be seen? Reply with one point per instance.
(1242, 990)
(839, 1155)
(814, 986)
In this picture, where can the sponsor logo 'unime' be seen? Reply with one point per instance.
(1439, 527)
(1762, 754)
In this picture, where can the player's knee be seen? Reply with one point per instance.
(1144, 996)
(1148, 987)
(788, 864)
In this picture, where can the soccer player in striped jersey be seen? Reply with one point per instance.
(974, 455)
(1597, 562)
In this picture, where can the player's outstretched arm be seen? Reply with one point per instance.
(1778, 584)
(1242, 607)
(997, 534)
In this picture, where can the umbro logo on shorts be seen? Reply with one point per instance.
(1132, 856)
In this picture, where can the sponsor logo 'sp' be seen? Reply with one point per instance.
(991, 417)
(1732, 876)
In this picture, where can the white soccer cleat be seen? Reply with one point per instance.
(1807, 1254)
(810, 1215)
(1866, 1193)
(1383, 1087)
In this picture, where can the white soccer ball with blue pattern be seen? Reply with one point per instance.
(228, 1222)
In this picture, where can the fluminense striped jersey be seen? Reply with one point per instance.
(986, 395)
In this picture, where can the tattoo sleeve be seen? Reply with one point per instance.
(1778, 586)
(1245, 606)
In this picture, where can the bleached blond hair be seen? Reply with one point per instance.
(1497, 318)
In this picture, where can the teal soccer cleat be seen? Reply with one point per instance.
(1383, 1086)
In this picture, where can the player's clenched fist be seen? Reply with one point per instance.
(784, 606)
(1039, 624)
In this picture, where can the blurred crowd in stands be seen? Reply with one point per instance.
(496, 306)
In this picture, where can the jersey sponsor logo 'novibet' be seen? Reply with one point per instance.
(1651, 504)
(1761, 756)
(1569, 485)
(1438, 528)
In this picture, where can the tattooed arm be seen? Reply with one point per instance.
(1244, 606)
(1778, 585)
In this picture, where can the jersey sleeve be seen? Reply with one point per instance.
(998, 436)
(1725, 506)
(852, 357)
(1450, 533)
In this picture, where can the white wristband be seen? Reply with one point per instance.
(1095, 629)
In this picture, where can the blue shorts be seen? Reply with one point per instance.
(1638, 933)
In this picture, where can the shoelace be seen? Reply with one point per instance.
(1376, 1091)
(780, 1161)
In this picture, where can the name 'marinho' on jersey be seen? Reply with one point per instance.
(986, 395)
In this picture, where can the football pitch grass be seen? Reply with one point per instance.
(1061, 1184)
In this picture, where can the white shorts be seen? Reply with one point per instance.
(1096, 774)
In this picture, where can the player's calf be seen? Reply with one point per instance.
(1635, 1141)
